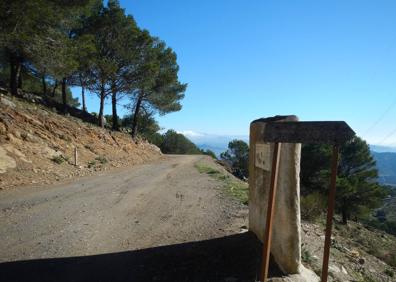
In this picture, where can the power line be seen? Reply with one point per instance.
(380, 119)
(387, 137)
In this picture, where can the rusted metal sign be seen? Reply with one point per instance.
(313, 132)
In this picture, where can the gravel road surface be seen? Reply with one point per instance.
(162, 221)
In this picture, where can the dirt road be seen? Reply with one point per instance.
(162, 221)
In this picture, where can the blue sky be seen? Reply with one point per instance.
(320, 60)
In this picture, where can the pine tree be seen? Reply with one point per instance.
(156, 87)
(358, 191)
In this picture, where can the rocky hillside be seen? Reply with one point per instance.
(37, 145)
(357, 253)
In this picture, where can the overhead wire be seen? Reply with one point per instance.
(387, 137)
(380, 118)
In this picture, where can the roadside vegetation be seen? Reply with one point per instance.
(234, 187)
(359, 194)
(237, 158)
(362, 215)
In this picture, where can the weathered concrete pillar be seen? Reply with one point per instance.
(286, 239)
(286, 236)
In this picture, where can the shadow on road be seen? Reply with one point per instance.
(231, 258)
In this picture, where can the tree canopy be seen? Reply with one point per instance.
(97, 47)
(237, 156)
(358, 191)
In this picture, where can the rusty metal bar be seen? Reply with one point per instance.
(330, 214)
(75, 156)
(270, 213)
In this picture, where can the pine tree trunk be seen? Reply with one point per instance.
(19, 75)
(102, 97)
(64, 102)
(344, 217)
(135, 116)
(13, 75)
(44, 85)
(54, 89)
(84, 106)
(114, 107)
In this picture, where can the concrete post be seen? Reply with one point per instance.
(286, 240)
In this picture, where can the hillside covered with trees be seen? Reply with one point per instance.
(49, 46)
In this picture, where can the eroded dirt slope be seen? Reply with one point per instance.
(37, 146)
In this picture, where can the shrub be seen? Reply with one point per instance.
(101, 159)
(306, 256)
(312, 206)
(389, 272)
(59, 159)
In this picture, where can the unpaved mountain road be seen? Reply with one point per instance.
(162, 221)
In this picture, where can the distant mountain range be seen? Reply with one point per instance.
(382, 149)
(385, 157)
(386, 164)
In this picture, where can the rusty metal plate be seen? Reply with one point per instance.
(316, 132)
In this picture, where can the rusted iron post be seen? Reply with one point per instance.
(270, 213)
(75, 156)
(330, 214)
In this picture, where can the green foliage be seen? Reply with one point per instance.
(148, 127)
(156, 139)
(383, 224)
(390, 273)
(59, 159)
(88, 44)
(306, 256)
(91, 164)
(237, 156)
(101, 159)
(358, 191)
(176, 143)
(312, 206)
(234, 187)
(155, 86)
(209, 153)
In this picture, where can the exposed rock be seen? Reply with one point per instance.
(31, 138)
(305, 275)
(334, 269)
(49, 153)
(11, 149)
(13, 140)
(3, 91)
(7, 102)
(6, 162)
(33, 132)
(3, 129)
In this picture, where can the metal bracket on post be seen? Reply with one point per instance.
(270, 212)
